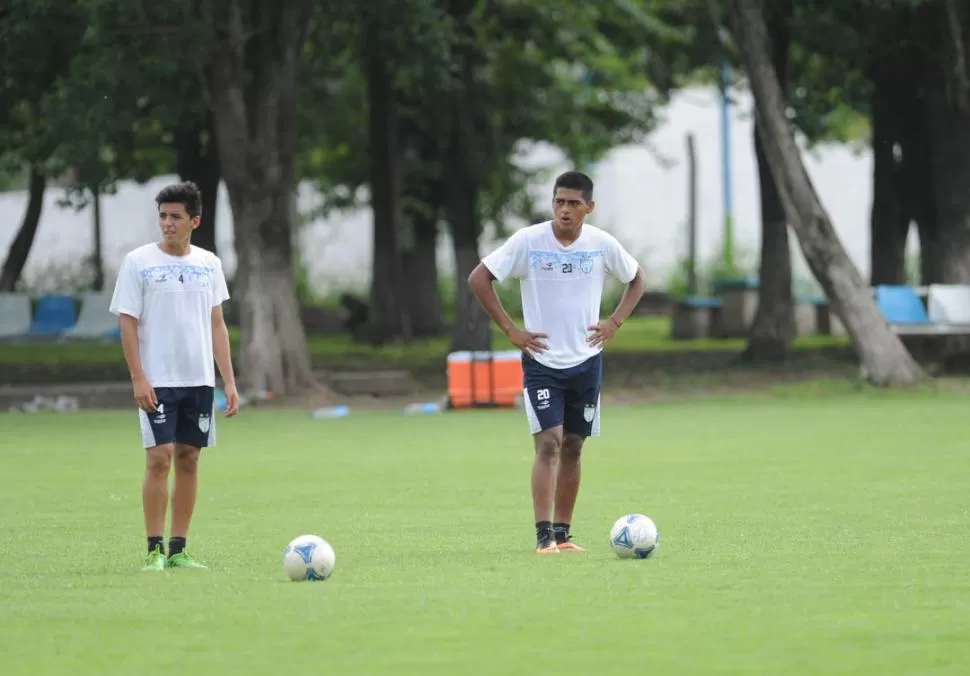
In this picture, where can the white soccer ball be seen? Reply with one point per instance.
(308, 557)
(634, 536)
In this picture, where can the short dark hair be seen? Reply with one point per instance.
(185, 193)
(575, 180)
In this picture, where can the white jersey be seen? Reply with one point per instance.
(172, 297)
(561, 285)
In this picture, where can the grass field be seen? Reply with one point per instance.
(799, 536)
(639, 334)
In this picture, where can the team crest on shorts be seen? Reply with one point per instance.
(204, 423)
(589, 412)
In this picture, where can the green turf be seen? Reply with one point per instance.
(639, 334)
(799, 536)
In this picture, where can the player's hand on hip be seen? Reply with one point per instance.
(527, 341)
(232, 400)
(601, 332)
(145, 395)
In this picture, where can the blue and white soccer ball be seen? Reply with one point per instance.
(308, 557)
(634, 536)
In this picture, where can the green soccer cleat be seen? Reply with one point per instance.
(183, 560)
(155, 561)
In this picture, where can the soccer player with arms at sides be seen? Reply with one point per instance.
(562, 265)
(168, 298)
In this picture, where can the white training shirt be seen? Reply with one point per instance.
(561, 285)
(172, 298)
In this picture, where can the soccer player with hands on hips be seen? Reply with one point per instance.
(561, 265)
(168, 298)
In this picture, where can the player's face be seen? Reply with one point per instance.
(570, 209)
(175, 222)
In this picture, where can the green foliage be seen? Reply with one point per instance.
(708, 271)
(37, 43)
(580, 84)
(62, 277)
(914, 274)
(123, 72)
(831, 45)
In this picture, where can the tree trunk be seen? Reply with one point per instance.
(890, 214)
(273, 349)
(422, 176)
(472, 329)
(388, 319)
(948, 118)
(917, 166)
(253, 97)
(197, 160)
(419, 263)
(884, 359)
(773, 327)
(13, 265)
(97, 258)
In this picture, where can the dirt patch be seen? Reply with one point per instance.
(625, 380)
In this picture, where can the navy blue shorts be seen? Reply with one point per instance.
(568, 397)
(184, 416)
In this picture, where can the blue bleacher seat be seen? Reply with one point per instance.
(54, 316)
(901, 305)
(702, 302)
(95, 322)
(14, 315)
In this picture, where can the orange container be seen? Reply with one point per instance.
(484, 378)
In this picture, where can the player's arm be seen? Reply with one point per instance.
(482, 283)
(127, 303)
(624, 267)
(630, 298)
(223, 356)
(143, 391)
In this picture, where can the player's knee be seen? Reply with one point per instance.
(159, 460)
(186, 459)
(548, 446)
(572, 447)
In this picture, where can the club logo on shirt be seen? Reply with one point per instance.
(194, 275)
(554, 263)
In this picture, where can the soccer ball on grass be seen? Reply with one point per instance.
(308, 557)
(634, 536)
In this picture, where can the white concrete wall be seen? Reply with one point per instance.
(643, 202)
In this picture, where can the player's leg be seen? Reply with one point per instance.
(194, 431)
(184, 491)
(158, 438)
(580, 421)
(567, 489)
(545, 467)
(544, 405)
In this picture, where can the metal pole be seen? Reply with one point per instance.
(691, 216)
(726, 167)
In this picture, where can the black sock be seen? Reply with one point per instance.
(561, 530)
(543, 530)
(176, 546)
(156, 543)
